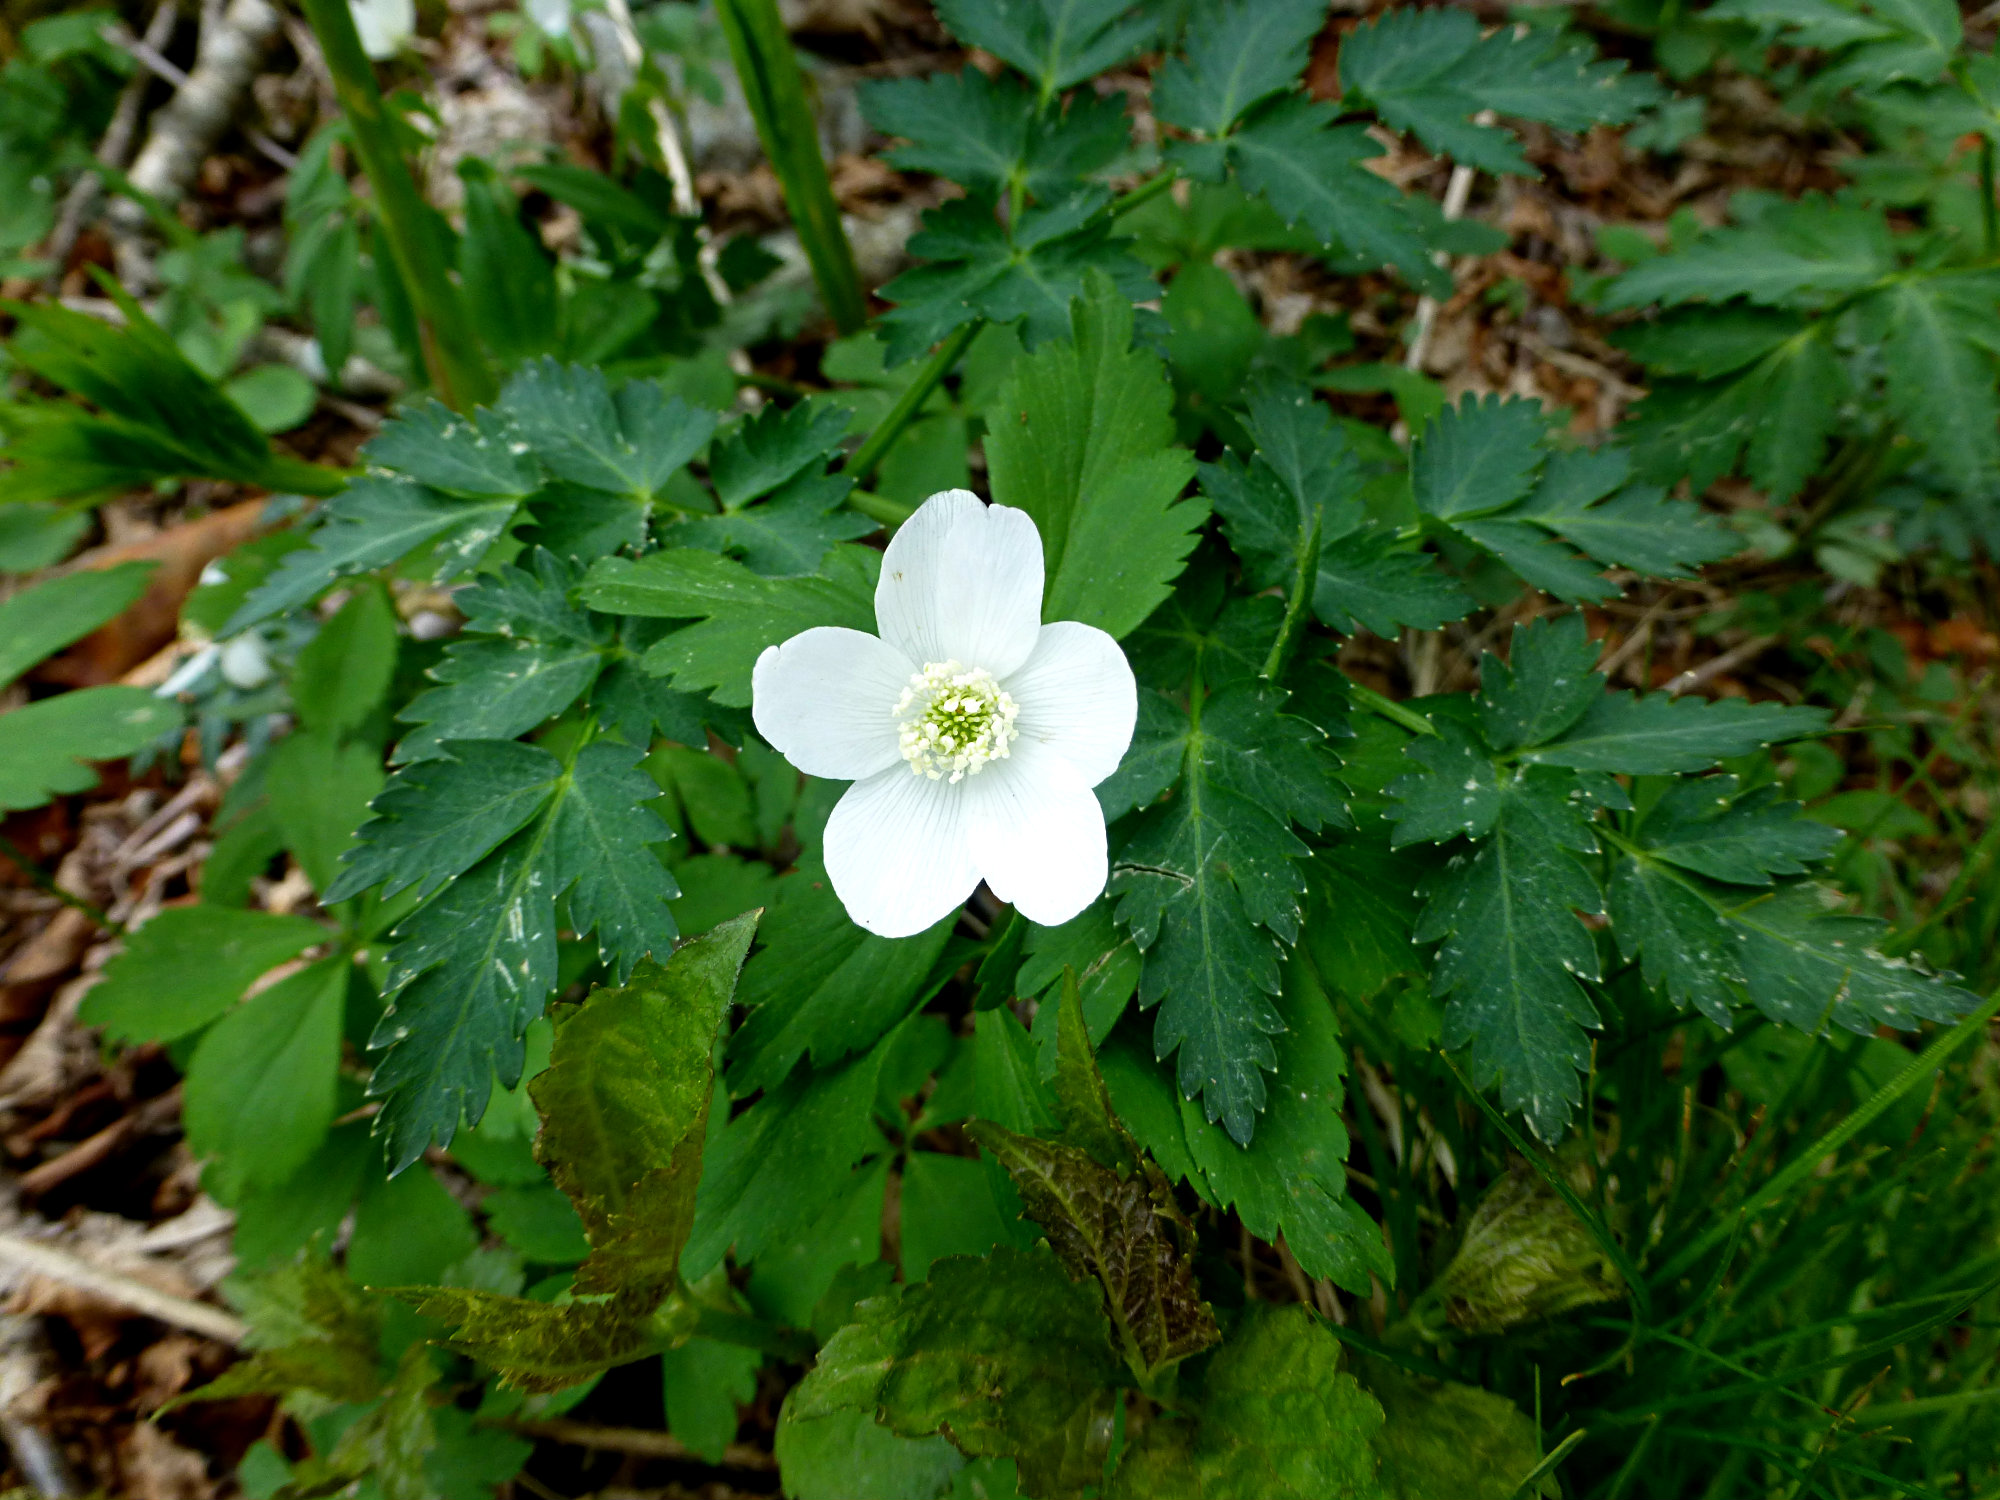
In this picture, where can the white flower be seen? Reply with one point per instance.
(972, 732)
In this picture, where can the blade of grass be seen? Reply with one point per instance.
(861, 464)
(1546, 1467)
(1807, 1162)
(776, 91)
(452, 353)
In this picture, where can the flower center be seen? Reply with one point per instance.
(954, 720)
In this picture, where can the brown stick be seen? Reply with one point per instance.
(97, 1149)
(640, 1443)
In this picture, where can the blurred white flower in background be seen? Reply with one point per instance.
(384, 25)
(972, 732)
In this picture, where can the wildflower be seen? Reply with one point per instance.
(972, 732)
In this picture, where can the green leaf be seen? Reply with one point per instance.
(739, 612)
(311, 1329)
(1458, 791)
(1742, 838)
(1940, 383)
(1708, 343)
(1311, 171)
(538, 1223)
(703, 1383)
(527, 654)
(1657, 735)
(1005, 1355)
(1523, 1256)
(319, 793)
(45, 747)
(1292, 1179)
(1029, 270)
(1081, 438)
(985, 134)
(949, 1208)
(771, 446)
(1797, 254)
(187, 966)
(1477, 457)
(601, 840)
(1791, 951)
(509, 279)
(1373, 580)
(1443, 1438)
(774, 1169)
(1513, 949)
(1208, 884)
(343, 673)
(1276, 1419)
(624, 1107)
(1549, 682)
(1430, 72)
(438, 818)
(1234, 57)
(260, 1085)
(537, 1346)
(627, 442)
(787, 535)
(845, 1455)
(40, 621)
(478, 457)
(822, 985)
(1583, 498)
(1057, 43)
(376, 521)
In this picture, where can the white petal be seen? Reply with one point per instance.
(897, 852)
(826, 700)
(1037, 834)
(962, 581)
(1077, 698)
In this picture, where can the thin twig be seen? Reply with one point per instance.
(100, 1147)
(1715, 666)
(72, 1270)
(1456, 192)
(639, 1442)
(47, 884)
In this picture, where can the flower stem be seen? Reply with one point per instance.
(776, 92)
(1394, 712)
(862, 464)
(452, 354)
(1144, 193)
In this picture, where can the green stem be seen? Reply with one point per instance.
(891, 512)
(452, 354)
(45, 882)
(1298, 607)
(1808, 1161)
(1989, 213)
(1531, 1482)
(776, 92)
(862, 464)
(1144, 193)
(1395, 713)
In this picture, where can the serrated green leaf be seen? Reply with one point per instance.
(1430, 72)
(1005, 1355)
(1477, 457)
(1709, 343)
(601, 840)
(479, 457)
(1523, 1256)
(40, 621)
(1234, 57)
(319, 795)
(739, 612)
(438, 818)
(376, 521)
(986, 134)
(624, 1106)
(311, 1329)
(1741, 838)
(1459, 790)
(1658, 735)
(1276, 1419)
(1513, 949)
(1583, 498)
(1211, 878)
(1940, 384)
(785, 536)
(187, 966)
(1372, 579)
(537, 1346)
(1292, 1179)
(822, 984)
(703, 1384)
(1791, 952)
(261, 1082)
(1310, 170)
(767, 448)
(1057, 43)
(1545, 686)
(1796, 255)
(626, 442)
(46, 746)
(1030, 270)
(1081, 438)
